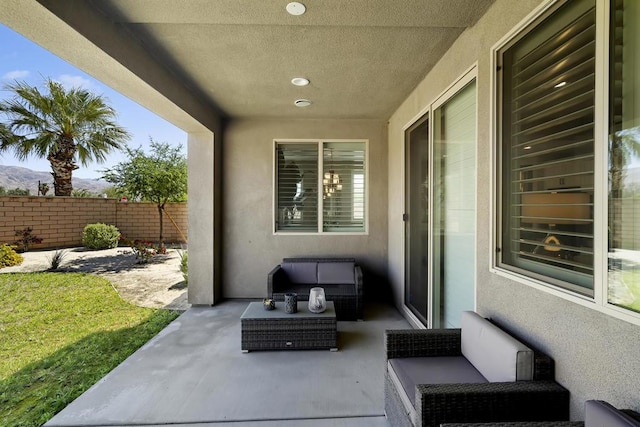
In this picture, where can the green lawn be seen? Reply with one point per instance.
(59, 334)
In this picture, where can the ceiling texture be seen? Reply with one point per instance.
(362, 57)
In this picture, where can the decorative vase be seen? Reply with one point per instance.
(268, 304)
(317, 300)
(291, 303)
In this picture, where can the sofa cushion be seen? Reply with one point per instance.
(602, 414)
(433, 370)
(336, 273)
(301, 272)
(497, 355)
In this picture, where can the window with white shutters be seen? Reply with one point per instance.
(320, 187)
(547, 146)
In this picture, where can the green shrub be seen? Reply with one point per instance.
(100, 236)
(9, 257)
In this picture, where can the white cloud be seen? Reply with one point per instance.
(69, 81)
(15, 75)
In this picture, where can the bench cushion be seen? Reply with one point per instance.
(411, 371)
(301, 272)
(495, 354)
(602, 414)
(336, 273)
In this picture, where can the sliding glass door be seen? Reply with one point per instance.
(454, 207)
(440, 208)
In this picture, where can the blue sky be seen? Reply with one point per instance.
(23, 60)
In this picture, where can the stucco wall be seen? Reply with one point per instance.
(250, 249)
(596, 355)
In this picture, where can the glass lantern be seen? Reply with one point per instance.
(317, 300)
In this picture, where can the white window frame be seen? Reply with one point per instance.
(599, 301)
(320, 144)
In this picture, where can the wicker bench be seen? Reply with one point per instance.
(341, 279)
(478, 373)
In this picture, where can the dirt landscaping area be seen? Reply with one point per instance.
(157, 284)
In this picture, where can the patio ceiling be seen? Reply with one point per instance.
(363, 57)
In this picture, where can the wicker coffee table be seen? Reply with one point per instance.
(277, 330)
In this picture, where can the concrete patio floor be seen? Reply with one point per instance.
(194, 374)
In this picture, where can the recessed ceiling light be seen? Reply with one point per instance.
(560, 84)
(302, 102)
(299, 81)
(296, 9)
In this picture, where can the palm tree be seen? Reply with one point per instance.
(65, 126)
(624, 146)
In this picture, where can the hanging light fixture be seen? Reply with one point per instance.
(331, 181)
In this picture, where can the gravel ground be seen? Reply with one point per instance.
(157, 284)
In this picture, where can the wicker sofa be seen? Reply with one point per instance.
(341, 279)
(478, 373)
(597, 414)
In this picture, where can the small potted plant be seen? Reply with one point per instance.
(268, 304)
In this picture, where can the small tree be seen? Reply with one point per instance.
(159, 177)
(26, 238)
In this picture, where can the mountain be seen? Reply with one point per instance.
(18, 177)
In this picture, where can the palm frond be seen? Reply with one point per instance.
(5, 134)
(36, 121)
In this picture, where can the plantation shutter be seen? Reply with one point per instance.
(548, 148)
(343, 186)
(297, 182)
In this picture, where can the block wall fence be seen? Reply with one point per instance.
(60, 220)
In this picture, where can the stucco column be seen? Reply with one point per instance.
(203, 219)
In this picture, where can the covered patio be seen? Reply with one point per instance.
(411, 111)
(194, 373)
